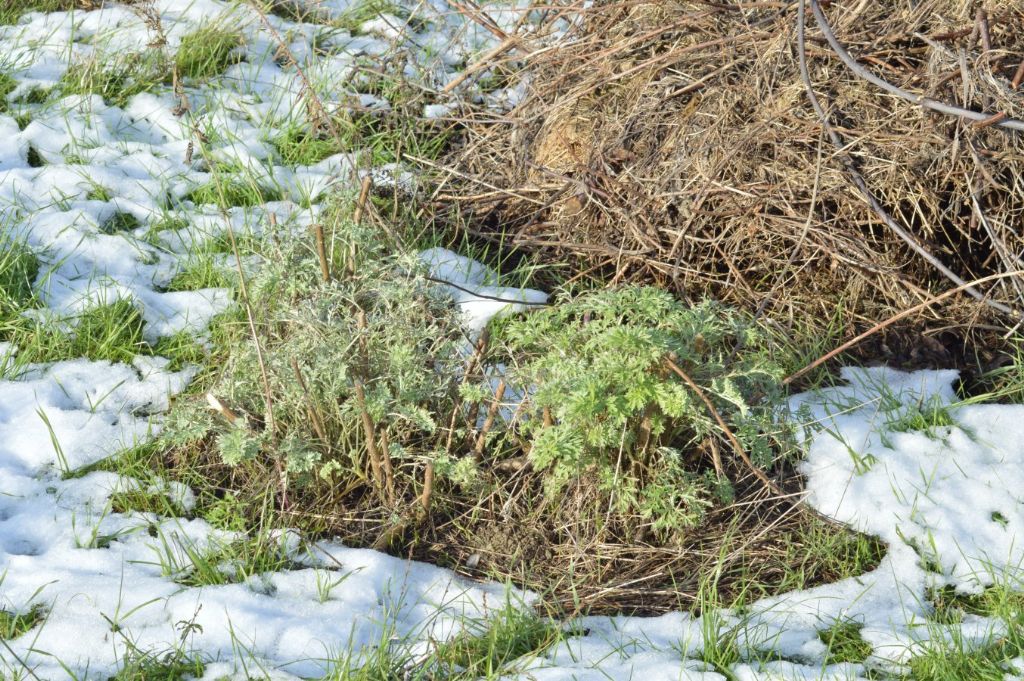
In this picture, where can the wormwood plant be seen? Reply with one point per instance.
(356, 385)
(606, 407)
(359, 369)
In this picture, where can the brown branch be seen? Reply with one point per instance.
(492, 412)
(895, 318)
(920, 100)
(733, 440)
(428, 487)
(321, 252)
(314, 414)
(480, 63)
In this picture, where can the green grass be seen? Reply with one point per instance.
(15, 624)
(35, 159)
(297, 147)
(486, 651)
(207, 52)
(232, 191)
(115, 80)
(98, 192)
(120, 222)
(12, 10)
(175, 665)
(995, 601)
(137, 462)
(18, 270)
(204, 270)
(358, 13)
(144, 501)
(107, 332)
(7, 86)
(182, 349)
(225, 563)
(922, 418)
(844, 643)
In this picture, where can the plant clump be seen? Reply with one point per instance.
(207, 52)
(18, 270)
(116, 80)
(605, 403)
(370, 416)
(112, 332)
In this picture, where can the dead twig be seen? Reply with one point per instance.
(492, 412)
(314, 413)
(893, 319)
(920, 100)
(733, 440)
(321, 252)
(483, 62)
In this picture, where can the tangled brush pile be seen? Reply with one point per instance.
(675, 142)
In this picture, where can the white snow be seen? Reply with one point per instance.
(891, 454)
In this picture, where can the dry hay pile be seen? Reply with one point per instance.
(673, 141)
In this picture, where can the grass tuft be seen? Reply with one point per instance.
(361, 11)
(207, 52)
(11, 11)
(204, 270)
(115, 80)
(145, 501)
(487, 651)
(232, 192)
(18, 270)
(16, 624)
(120, 222)
(297, 147)
(845, 643)
(35, 159)
(172, 666)
(110, 332)
(7, 86)
(230, 562)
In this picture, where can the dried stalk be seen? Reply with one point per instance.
(920, 100)
(895, 318)
(226, 412)
(369, 429)
(428, 487)
(492, 412)
(480, 64)
(314, 413)
(470, 367)
(859, 180)
(733, 440)
(321, 252)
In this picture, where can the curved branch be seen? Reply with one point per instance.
(920, 100)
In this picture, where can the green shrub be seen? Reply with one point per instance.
(621, 424)
(620, 417)
(403, 354)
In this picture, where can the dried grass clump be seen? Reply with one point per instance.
(673, 141)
